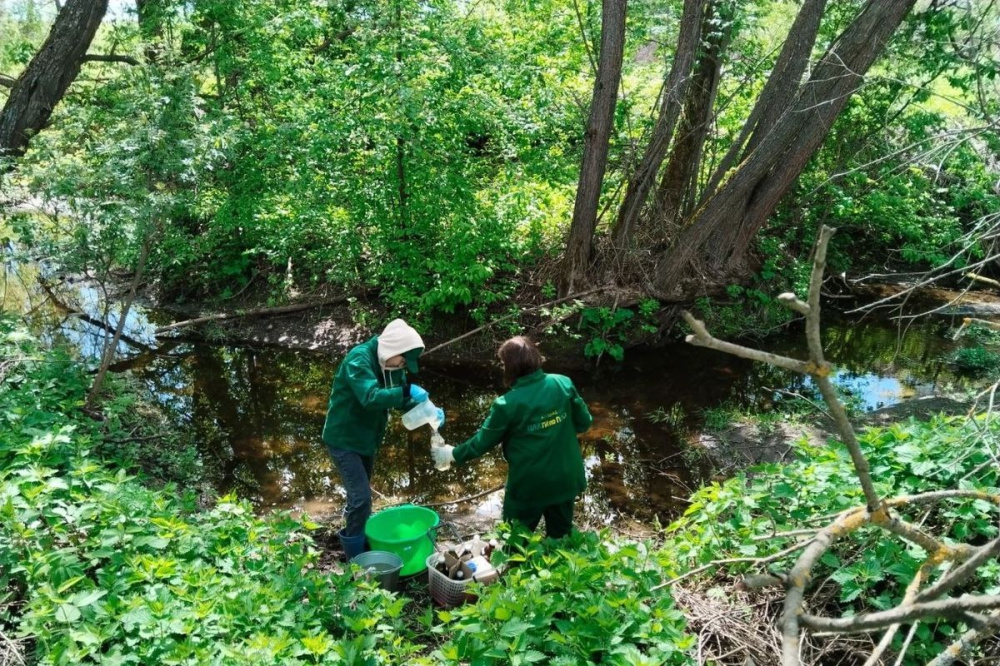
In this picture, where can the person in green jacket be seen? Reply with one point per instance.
(372, 379)
(537, 422)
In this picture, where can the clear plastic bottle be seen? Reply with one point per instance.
(438, 441)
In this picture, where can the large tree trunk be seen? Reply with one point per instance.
(779, 91)
(678, 188)
(44, 82)
(723, 227)
(595, 147)
(674, 90)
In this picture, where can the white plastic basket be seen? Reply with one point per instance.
(445, 591)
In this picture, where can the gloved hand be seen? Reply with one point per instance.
(443, 456)
(417, 394)
(440, 418)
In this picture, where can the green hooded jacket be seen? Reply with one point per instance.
(537, 422)
(360, 401)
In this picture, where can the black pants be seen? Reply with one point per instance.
(558, 517)
(355, 473)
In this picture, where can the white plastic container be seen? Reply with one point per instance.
(424, 412)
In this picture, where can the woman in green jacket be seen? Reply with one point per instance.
(371, 380)
(537, 422)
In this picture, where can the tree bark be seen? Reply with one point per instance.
(779, 91)
(46, 78)
(723, 227)
(579, 242)
(678, 187)
(674, 90)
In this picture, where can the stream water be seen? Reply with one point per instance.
(258, 412)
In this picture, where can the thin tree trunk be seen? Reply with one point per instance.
(404, 222)
(112, 347)
(674, 90)
(678, 187)
(725, 225)
(46, 78)
(579, 242)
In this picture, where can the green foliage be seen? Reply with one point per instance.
(740, 517)
(100, 569)
(577, 601)
(609, 329)
(748, 312)
(673, 417)
(984, 335)
(975, 360)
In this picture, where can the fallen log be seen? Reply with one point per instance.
(982, 278)
(259, 312)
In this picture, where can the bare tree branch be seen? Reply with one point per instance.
(97, 57)
(877, 512)
(962, 573)
(943, 608)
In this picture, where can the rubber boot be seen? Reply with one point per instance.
(353, 545)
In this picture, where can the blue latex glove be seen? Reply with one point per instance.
(417, 394)
(440, 418)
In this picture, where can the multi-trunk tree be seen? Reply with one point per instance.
(683, 221)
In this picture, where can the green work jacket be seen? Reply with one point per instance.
(360, 402)
(537, 421)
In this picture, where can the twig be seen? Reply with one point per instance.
(735, 560)
(511, 316)
(260, 312)
(945, 608)
(465, 499)
(966, 641)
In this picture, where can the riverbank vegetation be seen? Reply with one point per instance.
(430, 157)
(598, 161)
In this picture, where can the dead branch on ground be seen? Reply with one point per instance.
(920, 602)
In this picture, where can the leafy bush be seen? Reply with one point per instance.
(975, 360)
(97, 568)
(610, 328)
(740, 517)
(579, 601)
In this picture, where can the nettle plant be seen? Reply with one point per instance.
(907, 523)
(583, 600)
(97, 568)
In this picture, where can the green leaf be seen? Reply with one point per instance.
(67, 613)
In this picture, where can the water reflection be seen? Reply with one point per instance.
(258, 413)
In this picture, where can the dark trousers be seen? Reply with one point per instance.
(355, 473)
(558, 517)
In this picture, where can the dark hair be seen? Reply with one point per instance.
(520, 357)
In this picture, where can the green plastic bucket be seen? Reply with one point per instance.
(408, 531)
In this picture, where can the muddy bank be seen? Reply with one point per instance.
(748, 442)
(334, 329)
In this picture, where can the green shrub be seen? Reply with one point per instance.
(739, 518)
(975, 360)
(580, 601)
(97, 568)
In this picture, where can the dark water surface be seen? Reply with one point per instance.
(258, 412)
